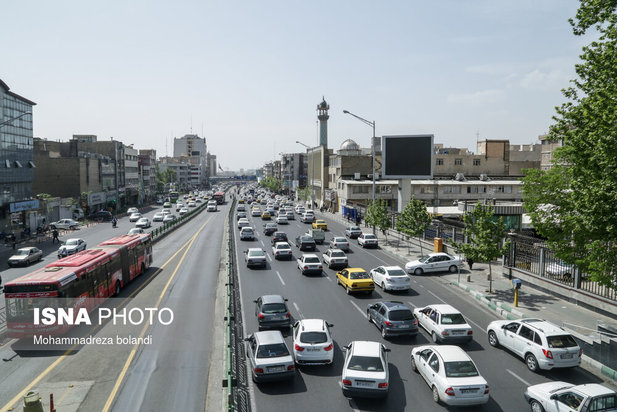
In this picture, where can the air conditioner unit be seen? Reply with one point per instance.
(484, 177)
(356, 176)
(460, 177)
(371, 176)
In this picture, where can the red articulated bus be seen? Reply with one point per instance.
(85, 279)
(219, 197)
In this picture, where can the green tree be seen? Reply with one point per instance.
(377, 216)
(304, 194)
(414, 220)
(574, 204)
(485, 234)
(271, 183)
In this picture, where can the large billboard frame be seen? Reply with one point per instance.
(384, 161)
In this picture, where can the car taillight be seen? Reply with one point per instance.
(450, 391)
(548, 353)
(258, 370)
(383, 385)
(320, 267)
(388, 323)
(277, 252)
(388, 279)
(261, 316)
(287, 314)
(291, 367)
(485, 389)
(445, 333)
(298, 348)
(346, 382)
(415, 321)
(470, 332)
(580, 352)
(305, 267)
(328, 348)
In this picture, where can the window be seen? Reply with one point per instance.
(476, 162)
(439, 162)
(360, 189)
(603, 403)
(452, 189)
(571, 399)
(434, 363)
(476, 189)
(526, 333)
(503, 189)
(458, 162)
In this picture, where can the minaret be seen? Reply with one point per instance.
(322, 115)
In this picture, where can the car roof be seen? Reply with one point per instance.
(311, 255)
(355, 270)
(272, 299)
(451, 353)
(334, 249)
(254, 249)
(281, 243)
(443, 308)
(269, 337)
(593, 389)
(312, 325)
(544, 326)
(366, 348)
(439, 254)
(395, 305)
(389, 268)
(338, 238)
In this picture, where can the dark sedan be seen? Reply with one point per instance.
(305, 243)
(279, 237)
(270, 228)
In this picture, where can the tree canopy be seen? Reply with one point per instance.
(414, 219)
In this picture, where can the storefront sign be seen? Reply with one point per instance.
(25, 205)
(96, 198)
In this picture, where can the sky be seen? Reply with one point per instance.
(248, 75)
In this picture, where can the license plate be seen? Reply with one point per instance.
(458, 332)
(276, 369)
(472, 390)
(403, 326)
(365, 384)
(313, 350)
(567, 356)
(278, 317)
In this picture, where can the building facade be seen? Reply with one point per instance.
(194, 149)
(148, 176)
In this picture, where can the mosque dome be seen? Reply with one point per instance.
(349, 144)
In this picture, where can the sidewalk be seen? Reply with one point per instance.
(498, 296)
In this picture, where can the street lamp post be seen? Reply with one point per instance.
(312, 172)
(14, 118)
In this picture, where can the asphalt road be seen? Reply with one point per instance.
(171, 373)
(317, 387)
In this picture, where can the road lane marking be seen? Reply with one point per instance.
(262, 243)
(358, 307)
(280, 278)
(476, 325)
(298, 310)
(518, 377)
(440, 299)
(269, 258)
(414, 306)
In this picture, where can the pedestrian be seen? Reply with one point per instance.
(470, 262)
(55, 236)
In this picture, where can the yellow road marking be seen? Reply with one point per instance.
(8, 407)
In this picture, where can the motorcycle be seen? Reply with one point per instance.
(114, 223)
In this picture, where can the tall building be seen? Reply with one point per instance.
(16, 157)
(194, 149)
(322, 115)
(211, 162)
(149, 180)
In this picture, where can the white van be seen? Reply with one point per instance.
(212, 206)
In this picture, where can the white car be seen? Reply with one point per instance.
(192, 204)
(282, 250)
(166, 212)
(134, 217)
(71, 246)
(247, 233)
(212, 207)
(559, 268)
(132, 210)
(565, 397)
(143, 223)
(158, 217)
(169, 218)
(269, 357)
(307, 218)
(256, 212)
(367, 240)
(300, 210)
(312, 342)
(434, 262)
(335, 258)
(391, 278)
(282, 220)
(255, 257)
(64, 224)
(444, 323)
(243, 222)
(136, 231)
(339, 242)
(451, 374)
(309, 264)
(365, 370)
(183, 211)
(541, 344)
(353, 232)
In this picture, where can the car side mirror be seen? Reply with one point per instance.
(247, 339)
(387, 350)
(329, 324)
(553, 397)
(286, 300)
(503, 326)
(255, 301)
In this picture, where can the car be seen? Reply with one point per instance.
(444, 323)
(71, 246)
(334, 258)
(136, 231)
(158, 217)
(392, 318)
(300, 210)
(64, 224)
(353, 232)
(271, 312)
(543, 345)
(307, 217)
(265, 215)
(282, 220)
(339, 242)
(169, 218)
(255, 212)
(559, 268)
(270, 228)
(101, 216)
(179, 206)
(247, 233)
(318, 235)
(183, 211)
(25, 256)
(434, 262)
(198, 200)
(166, 212)
(313, 343)
(320, 224)
(255, 257)
(134, 217)
(269, 357)
(167, 205)
(243, 223)
(282, 250)
(290, 215)
(132, 210)
(451, 374)
(241, 207)
(305, 242)
(211, 207)
(367, 240)
(192, 204)
(562, 396)
(365, 370)
(144, 222)
(240, 215)
(278, 237)
(309, 264)
(391, 278)
(355, 280)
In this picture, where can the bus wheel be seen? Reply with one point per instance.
(117, 288)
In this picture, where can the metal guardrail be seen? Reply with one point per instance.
(231, 404)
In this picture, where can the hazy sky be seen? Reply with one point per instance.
(249, 74)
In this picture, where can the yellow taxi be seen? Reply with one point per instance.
(265, 215)
(241, 201)
(320, 224)
(355, 280)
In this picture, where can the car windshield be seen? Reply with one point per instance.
(271, 226)
(22, 252)
(561, 341)
(306, 239)
(400, 315)
(365, 364)
(424, 259)
(256, 253)
(282, 246)
(313, 337)
(340, 240)
(273, 308)
(311, 260)
(369, 236)
(452, 319)
(355, 228)
(337, 254)
(72, 242)
(460, 369)
(396, 272)
(359, 275)
(272, 351)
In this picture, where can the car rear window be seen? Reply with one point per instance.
(273, 308)
(400, 315)
(369, 237)
(365, 363)
(313, 337)
(337, 254)
(340, 239)
(311, 260)
(460, 369)
(396, 272)
(452, 319)
(256, 253)
(274, 350)
(561, 341)
(359, 275)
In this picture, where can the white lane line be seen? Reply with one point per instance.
(518, 377)
(298, 310)
(328, 277)
(281, 279)
(262, 242)
(476, 325)
(269, 258)
(414, 306)
(440, 299)
(358, 307)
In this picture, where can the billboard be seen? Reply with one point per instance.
(407, 157)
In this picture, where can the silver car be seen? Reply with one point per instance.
(272, 312)
(269, 356)
(71, 246)
(25, 256)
